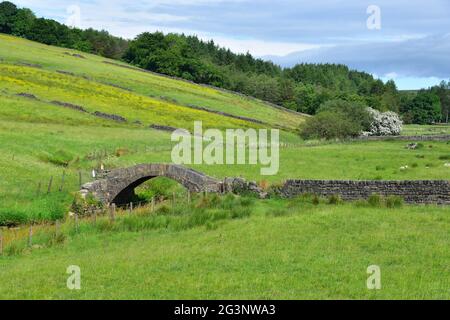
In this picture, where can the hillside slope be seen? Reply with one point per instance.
(99, 83)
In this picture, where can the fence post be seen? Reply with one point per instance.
(76, 222)
(30, 236)
(188, 197)
(131, 207)
(95, 215)
(79, 179)
(1, 242)
(153, 204)
(112, 212)
(38, 189)
(49, 188)
(62, 181)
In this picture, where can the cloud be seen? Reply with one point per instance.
(424, 57)
(409, 44)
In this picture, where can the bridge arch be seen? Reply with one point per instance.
(118, 185)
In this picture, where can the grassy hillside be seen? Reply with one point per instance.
(96, 82)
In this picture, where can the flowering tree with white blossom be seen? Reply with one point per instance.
(384, 123)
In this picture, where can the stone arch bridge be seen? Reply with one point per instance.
(117, 186)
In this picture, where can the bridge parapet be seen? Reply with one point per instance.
(118, 185)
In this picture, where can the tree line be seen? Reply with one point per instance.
(22, 22)
(304, 87)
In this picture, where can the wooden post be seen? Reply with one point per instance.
(188, 197)
(62, 181)
(131, 207)
(49, 188)
(112, 212)
(1, 242)
(153, 204)
(30, 236)
(38, 189)
(79, 179)
(57, 227)
(76, 222)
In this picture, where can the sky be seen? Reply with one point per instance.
(404, 40)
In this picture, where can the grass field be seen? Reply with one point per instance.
(419, 130)
(271, 249)
(281, 250)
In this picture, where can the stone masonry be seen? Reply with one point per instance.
(413, 192)
(118, 186)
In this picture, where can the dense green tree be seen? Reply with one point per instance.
(443, 92)
(337, 119)
(8, 11)
(354, 111)
(23, 21)
(329, 125)
(424, 108)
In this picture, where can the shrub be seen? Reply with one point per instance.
(264, 185)
(394, 202)
(375, 200)
(240, 212)
(356, 112)
(13, 249)
(246, 202)
(11, 217)
(315, 200)
(278, 213)
(59, 158)
(163, 210)
(228, 201)
(274, 191)
(334, 199)
(329, 125)
(337, 119)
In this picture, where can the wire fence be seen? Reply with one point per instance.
(29, 232)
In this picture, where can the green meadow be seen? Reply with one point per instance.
(271, 249)
(214, 248)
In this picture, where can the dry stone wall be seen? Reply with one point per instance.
(413, 192)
